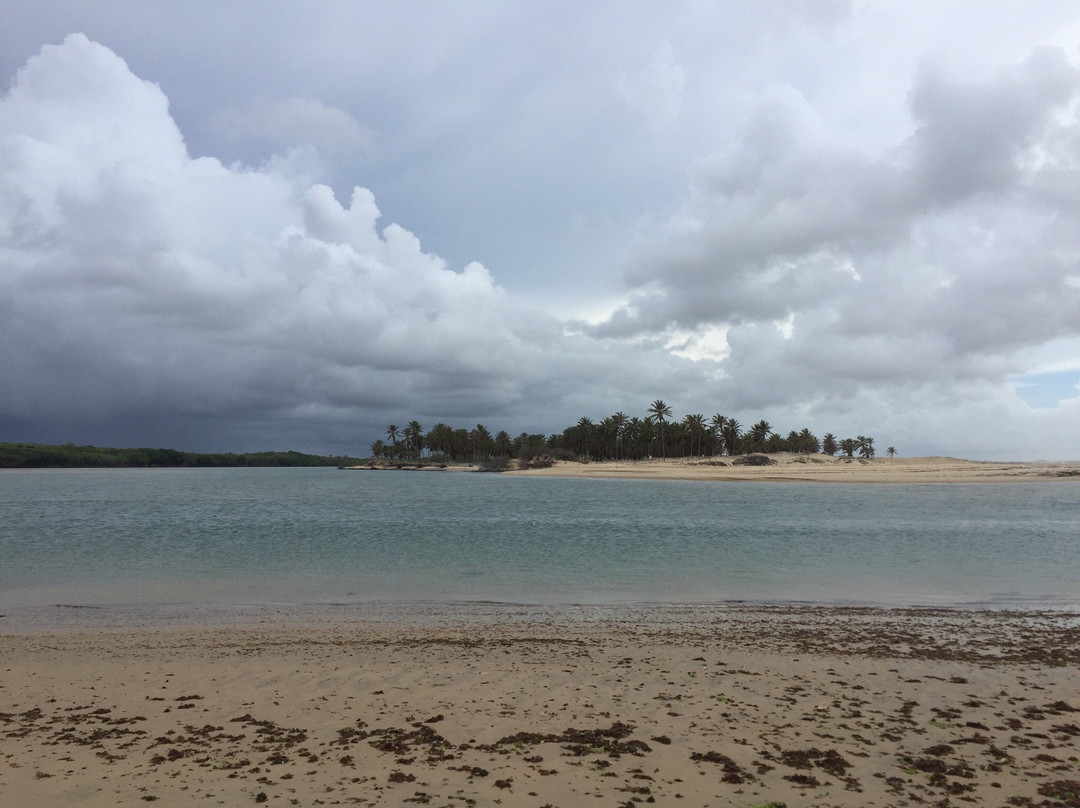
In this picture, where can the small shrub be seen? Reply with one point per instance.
(543, 461)
(753, 460)
(495, 464)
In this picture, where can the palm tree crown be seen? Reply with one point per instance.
(660, 411)
(759, 433)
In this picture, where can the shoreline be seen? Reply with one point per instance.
(817, 469)
(69, 617)
(779, 467)
(741, 706)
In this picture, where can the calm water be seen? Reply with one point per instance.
(262, 536)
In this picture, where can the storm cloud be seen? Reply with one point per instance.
(139, 282)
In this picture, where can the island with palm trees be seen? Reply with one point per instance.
(614, 438)
(657, 445)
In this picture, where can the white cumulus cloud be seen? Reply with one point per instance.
(139, 284)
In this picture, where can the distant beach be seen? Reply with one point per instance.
(777, 467)
(787, 467)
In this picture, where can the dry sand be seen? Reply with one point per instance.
(733, 706)
(819, 468)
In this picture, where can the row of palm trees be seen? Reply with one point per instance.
(478, 443)
(617, 437)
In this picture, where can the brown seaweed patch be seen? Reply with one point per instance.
(580, 742)
(733, 772)
(829, 761)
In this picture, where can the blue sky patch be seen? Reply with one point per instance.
(1047, 389)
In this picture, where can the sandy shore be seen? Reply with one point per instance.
(819, 468)
(732, 706)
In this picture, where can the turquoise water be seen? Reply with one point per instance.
(264, 536)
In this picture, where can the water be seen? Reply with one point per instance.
(265, 536)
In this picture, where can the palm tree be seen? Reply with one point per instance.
(609, 435)
(393, 432)
(618, 422)
(732, 430)
(695, 425)
(659, 411)
(891, 451)
(808, 442)
(482, 444)
(716, 423)
(460, 443)
(676, 438)
(633, 434)
(439, 439)
(828, 444)
(584, 427)
(759, 433)
(378, 449)
(848, 446)
(866, 446)
(414, 438)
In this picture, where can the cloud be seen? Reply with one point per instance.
(905, 286)
(971, 135)
(656, 89)
(934, 261)
(139, 284)
(295, 122)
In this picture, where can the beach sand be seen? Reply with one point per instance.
(818, 468)
(722, 706)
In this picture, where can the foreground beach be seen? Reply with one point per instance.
(725, 706)
(786, 467)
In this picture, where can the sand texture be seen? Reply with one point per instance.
(735, 707)
(818, 468)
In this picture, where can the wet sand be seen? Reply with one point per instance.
(785, 467)
(723, 706)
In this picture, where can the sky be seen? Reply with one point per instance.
(240, 226)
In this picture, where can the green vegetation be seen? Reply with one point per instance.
(38, 455)
(617, 437)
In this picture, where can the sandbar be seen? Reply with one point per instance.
(785, 467)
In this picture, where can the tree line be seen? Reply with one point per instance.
(616, 437)
(39, 455)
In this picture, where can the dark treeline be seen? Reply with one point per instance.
(37, 455)
(616, 437)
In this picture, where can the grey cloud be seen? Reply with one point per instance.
(177, 288)
(940, 247)
(656, 90)
(970, 134)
